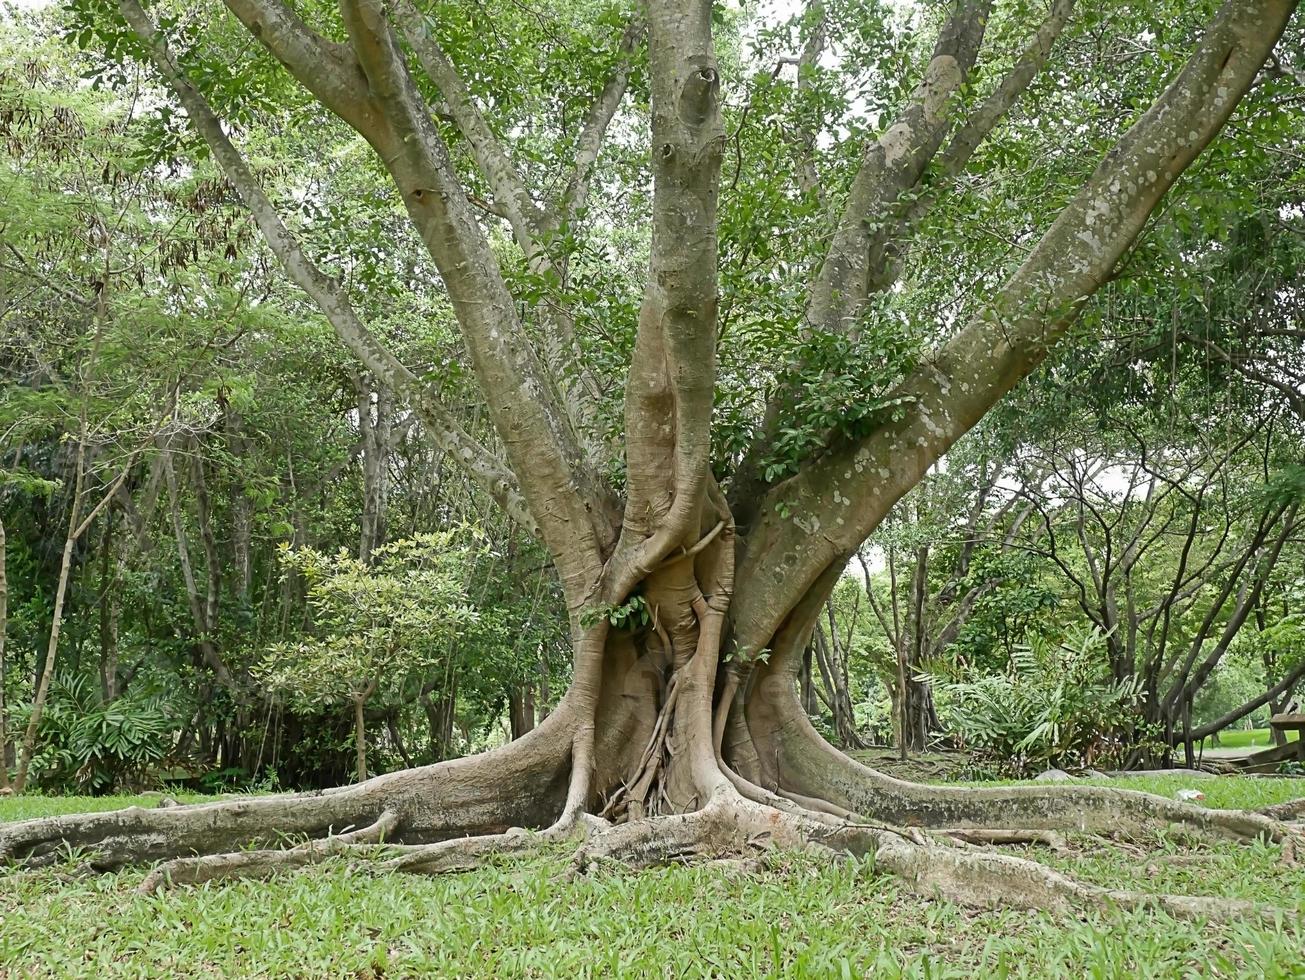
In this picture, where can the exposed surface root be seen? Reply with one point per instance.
(366, 848)
(457, 817)
(1290, 811)
(814, 768)
(469, 853)
(967, 871)
(237, 864)
(727, 828)
(444, 857)
(982, 836)
(732, 831)
(263, 863)
(452, 856)
(521, 784)
(137, 835)
(987, 879)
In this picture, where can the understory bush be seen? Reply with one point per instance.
(91, 747)
(1054, 706)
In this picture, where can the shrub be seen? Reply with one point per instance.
(90, 747)
(1054, 706)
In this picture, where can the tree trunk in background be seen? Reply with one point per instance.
(4, 630)
(440, 714)
(200, 607)
(46, 675)
(806, 688)
(28, 746)
(918, 714)
(921, 715)
(360, 739)
(392, 724)
(111, 548)
(831, 660)
(521, 710)
(241, 529)
(375, 431)
(545, 692)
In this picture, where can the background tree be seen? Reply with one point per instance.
(378, 624)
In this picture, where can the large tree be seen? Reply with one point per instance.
(693, 574)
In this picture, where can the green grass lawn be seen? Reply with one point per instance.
(1259, 738)
(801, 917)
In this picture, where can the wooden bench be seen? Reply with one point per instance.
(1291, 722)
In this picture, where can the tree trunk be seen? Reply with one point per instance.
(440, 715)
(110, 567)
(28, 747)
(832, 663)
(805, 684)
(921, 715)
(4, 676)
(521, 710)
(919, 718)
(374, 427)
(75, 527)
(392, 724)
(545, 691)
(202, 609)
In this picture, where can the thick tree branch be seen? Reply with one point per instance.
(961, 147)
(891, 166)
(881, 202)
(326, 68)
(571, 505)
(817, 19)
(575, 195)
(511, 195)
(533, 226)
(1289, 680)
(1188, 682)
(840, 498)
(671, 381)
